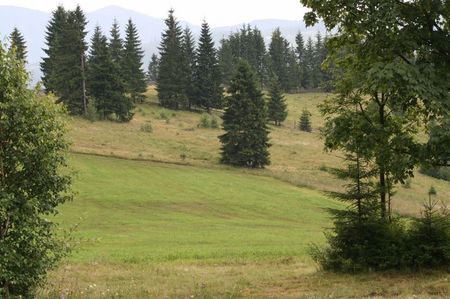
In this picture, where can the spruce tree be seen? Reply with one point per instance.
(209, 93)
(131, 66)
(52, 36)
(277, 111)
(305, 121)
(188, 50)
(104, 83)
(116, 43)
(300, 53)
(278, 52)
(226, 61)
(68, 74)
(310, 75)
(259, 53)
(170, 83)
(18, 44)
(153, 68)
(245, 142)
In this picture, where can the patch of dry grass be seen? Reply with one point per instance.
(282, 278)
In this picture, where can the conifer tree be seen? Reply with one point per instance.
(170, 83)
(188, 50)
(276, 106)
(245, 142)
(68, 74)
(300, 52)
(104, 82)
(278, 51)
(226, 61)
(310, 75)
(53, 31)
(116, 43)
(131, 66)
(18, 44)
(260, 53)
(305, 121)
(153, 68)
(209, 93)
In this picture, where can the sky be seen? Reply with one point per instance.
(217, 13)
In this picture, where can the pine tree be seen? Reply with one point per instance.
(68, 74)
(18, 44)
(260, 53)
(170, 81)
(131, 66)
(209, 93)
(276, 106)
(188, 50)
(153, 68)
(116, 43)
(226, 61)
(310, 75)
(305, 121)
(48, 64)
(245, 142)
(300, 52)
(104, 83)
(279, 51)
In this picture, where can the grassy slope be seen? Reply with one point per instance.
(297, 157)
(139, 211)
(154, 230)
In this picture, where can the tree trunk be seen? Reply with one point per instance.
(381, 162)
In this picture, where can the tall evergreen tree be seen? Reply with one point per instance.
(188, 50)
(116, 43)
(245, 142)
(209, 93)
(277, 108)
(153, 67)
(131, 66)
(226, 61)
(300, 51)
(68, 74)
(260, 53)
(18, 44)
(278, 51)
(170, 81)
(52, 36)
(104, 83)
(310, 75)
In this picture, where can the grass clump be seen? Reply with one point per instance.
(147, 128)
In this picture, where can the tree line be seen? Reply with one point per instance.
(187, 76)
(108, 77)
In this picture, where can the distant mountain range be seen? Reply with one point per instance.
(32, 24)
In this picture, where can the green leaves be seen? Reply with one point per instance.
(32, 158)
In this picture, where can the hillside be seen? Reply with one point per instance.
(156, 215)
(297, 157)
(154, 230)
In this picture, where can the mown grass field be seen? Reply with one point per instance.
(297, 157)
(158, 217)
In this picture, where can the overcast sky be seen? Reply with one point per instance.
(217, 13)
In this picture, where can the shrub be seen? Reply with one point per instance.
(147, 128)
(214, 122)
(305, 121)
(430, 237)
(164, 114)
(92, 113)
(204, 121)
